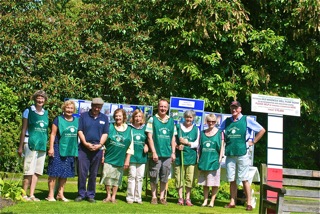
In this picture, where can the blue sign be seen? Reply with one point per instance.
(179, 105)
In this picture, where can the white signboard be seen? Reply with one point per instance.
(275, 105)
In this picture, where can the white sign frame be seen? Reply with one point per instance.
(275, 105)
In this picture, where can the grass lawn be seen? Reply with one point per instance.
(100, 207)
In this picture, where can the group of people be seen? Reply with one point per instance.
(121, 146)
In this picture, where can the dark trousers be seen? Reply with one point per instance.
(88, 163)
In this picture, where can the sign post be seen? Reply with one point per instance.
(276, 107)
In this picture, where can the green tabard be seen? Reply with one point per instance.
(189, 154)
(162, 136)
(68, 130)
(139, 139)
(235, 137)
(117, 145)
(209, 151)
(38, 130)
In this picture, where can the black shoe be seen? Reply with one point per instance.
(91, 200)
(78, 199)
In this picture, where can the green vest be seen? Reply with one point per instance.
(162, 136)
(117, 145)
(139, 139)
(209, 151)
(38, 130)
(68, 143)
(189, 155)
(235, 137)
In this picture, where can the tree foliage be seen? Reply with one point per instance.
(134, 51)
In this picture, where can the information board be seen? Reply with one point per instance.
(179, 105)
(275, 105)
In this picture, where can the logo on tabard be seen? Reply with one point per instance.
(138, 137)
(207, 144)
(164, 131)
(72, 130)
(119, 138)
(41, 124)
(233, 131)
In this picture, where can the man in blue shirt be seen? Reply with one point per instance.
(93, 132)
(238, 131)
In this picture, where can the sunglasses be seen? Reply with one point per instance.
(211, 121)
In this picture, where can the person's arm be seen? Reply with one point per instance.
(127, 161)
(199, 151)
(103, 139)
(257, 128)
(53, 134)
(83, 140)
(152, 148)
(259, 136)
(145, 148)
(22, 135)
(130, 151)
(194, 144)
(222, 148)
(173, 148)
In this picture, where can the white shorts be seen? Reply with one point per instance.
(238, 168)
(33, 161)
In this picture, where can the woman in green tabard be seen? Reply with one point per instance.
(188, 141)
(119, 148)
(139, 159)
(62, 151)
(211, 150)
(33, 143)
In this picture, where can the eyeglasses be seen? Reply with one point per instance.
(210, 121)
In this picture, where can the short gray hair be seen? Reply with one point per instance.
(189, 113)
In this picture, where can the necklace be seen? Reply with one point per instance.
(68, 118)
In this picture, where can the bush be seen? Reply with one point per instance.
(10, 189)
(9, 130)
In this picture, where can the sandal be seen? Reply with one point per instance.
(33, 198)
(230, 206)
(25, 198)
(114, 201)
(62, 199)
(180, 201)
(50, 199)
(188, 202)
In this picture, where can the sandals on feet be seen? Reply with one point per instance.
(25, 198)
(230, 206)
(50, 199)
(33, 198)
(180, 201)
(62, 199)
(188, 202)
